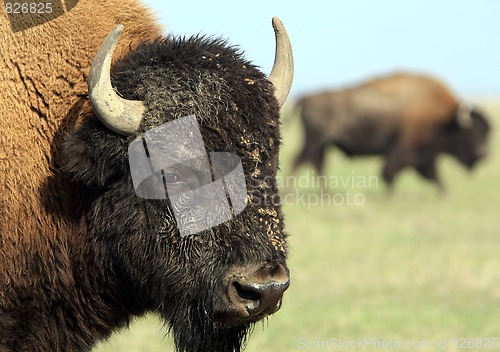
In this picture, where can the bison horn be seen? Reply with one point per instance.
(119, 115)
(282, 73)
(464, 117)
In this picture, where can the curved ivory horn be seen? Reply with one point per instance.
(119, 115)
(464, 117)
(282, 73)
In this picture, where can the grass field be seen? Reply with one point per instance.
(417, 266)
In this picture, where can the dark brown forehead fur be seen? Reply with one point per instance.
(231, 98)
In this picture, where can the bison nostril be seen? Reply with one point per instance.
(259, 298)
(246, 292)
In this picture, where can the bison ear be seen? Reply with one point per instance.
(92, 155)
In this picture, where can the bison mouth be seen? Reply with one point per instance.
(207, 335)
(220, 320)
(196, 331)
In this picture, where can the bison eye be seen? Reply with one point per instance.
(172, 178)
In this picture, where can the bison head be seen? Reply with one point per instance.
(210, 286)
(468, 138)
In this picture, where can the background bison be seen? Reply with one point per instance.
(80, 253)
(409, 119)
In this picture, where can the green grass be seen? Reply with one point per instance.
(414, 266)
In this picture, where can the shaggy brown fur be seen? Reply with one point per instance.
(43, 75)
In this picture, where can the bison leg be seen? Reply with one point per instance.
(428, 171)
(396, 161)
(310, 154)
(389, 173)
(319, 160)
(314, 154)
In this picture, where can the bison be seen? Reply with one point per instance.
(408, 118)
(81, 253)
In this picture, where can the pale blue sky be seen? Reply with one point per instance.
(339, 42)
